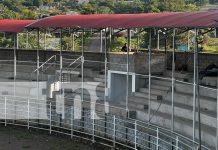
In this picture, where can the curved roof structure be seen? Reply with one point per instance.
(14, 26)
(146, 20)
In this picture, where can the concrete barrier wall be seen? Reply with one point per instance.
(138, 61)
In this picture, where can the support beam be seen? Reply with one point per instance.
(217, 113)
(198, 97)
(158, 40)
(173, 78)
(82, 66)
(105, 64)
(149, 75)
(101, 41)
(38, 45)
(27, 40)
(45, 40)
(17, 41)
(127, 72)
(194, 86)
(15, 62)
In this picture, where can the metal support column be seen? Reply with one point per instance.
(73, 41)
(27, 40)
(198, 96)
(61, 71)
(28, 114)
(105, 68)
(149, 76)
(17, 41)
(82, 66)
(127, 74)
(173, 78)
(15, 62)
(158, 40)
(45, 40)
(217, 113)
(101, 42)
(194, 85)
(137, 39)
(38, 70)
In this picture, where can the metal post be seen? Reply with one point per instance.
(188, 41)
(15, 62)
(50, 118)
(173, 79)
(72, 121)
(194, 85)
(198, 97)
(158, 40)
(5, 111)
(82, 66)
(45, 40)
(217, 113)
(28, 114)
(73, 40)
(136, 135)
(61, 70)
(149, 76)
(105, 68)
(101, 41)
(114, 133)
(177, 143)
(38, 70)
(17, 41)
(27, 40)
(137, 40)
(93, 127)
(165, 52)
(127, 73)
(157, 144)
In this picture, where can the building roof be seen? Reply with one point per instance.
(146, 20)
(14, 26)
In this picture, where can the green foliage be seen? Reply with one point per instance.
(212, 46)
(37, 3)
(6, 40)
(6, 13)
(118, 43)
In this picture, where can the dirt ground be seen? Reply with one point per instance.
(16, 138)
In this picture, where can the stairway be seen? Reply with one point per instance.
(161, 107)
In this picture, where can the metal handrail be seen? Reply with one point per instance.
(74, 61)
(41, 66)
(118, 123)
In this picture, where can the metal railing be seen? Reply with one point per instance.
(46, 63)
(107, 129)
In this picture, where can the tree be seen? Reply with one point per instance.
(37, 3)
(88, 9)
(6, 13)
(27, 14)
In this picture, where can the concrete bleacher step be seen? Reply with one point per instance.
(154, 91)
(132, 106)
(166, 83)
(204, 91)
(184, 111)
(206, 103)
(144, 95)
(99, 80)
(181, 125)
(139, 100)
(178, 74)
(158, 87)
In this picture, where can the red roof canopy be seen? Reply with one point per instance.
(173, 19)
(14, 25)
